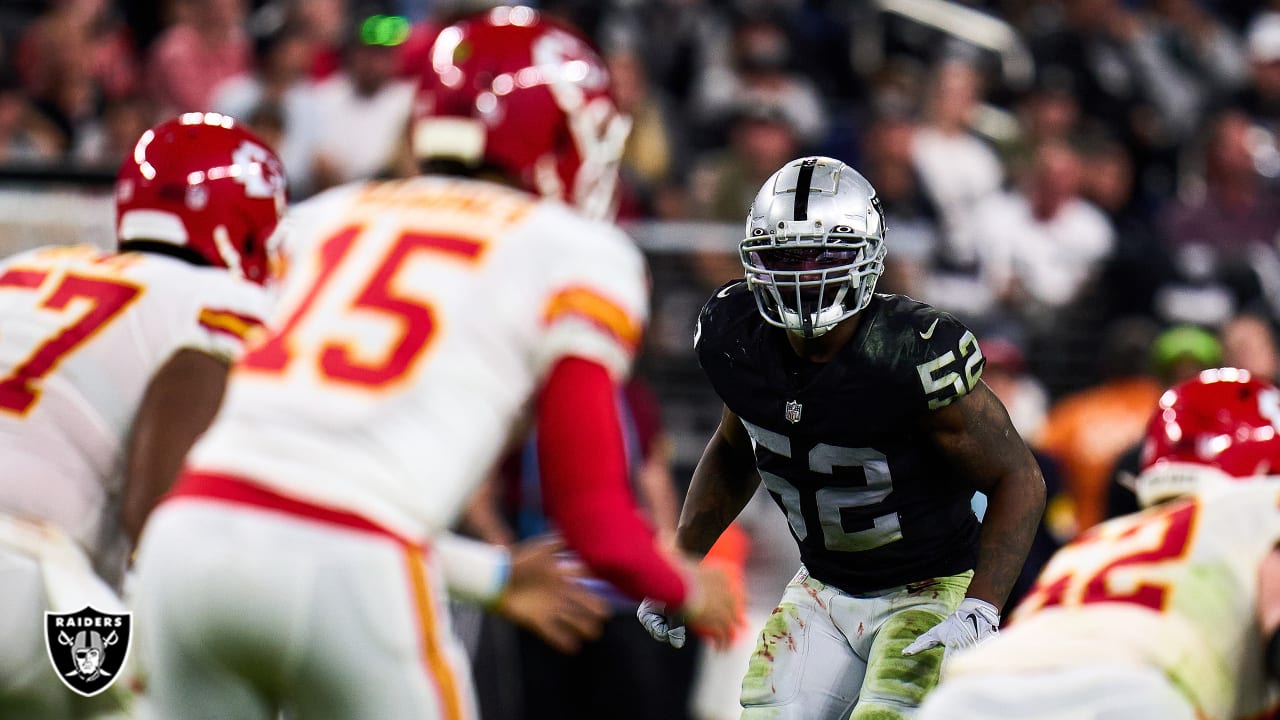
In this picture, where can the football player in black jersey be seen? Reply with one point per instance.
(867, 420)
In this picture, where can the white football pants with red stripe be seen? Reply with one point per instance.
(43, 569)
(243, 612)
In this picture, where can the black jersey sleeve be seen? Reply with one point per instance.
(721, 315)
(944, 357)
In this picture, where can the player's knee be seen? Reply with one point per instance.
(904, 626)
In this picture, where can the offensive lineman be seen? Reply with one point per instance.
(402, 357)
(85, 334)
(865, 417)
(1170, 613)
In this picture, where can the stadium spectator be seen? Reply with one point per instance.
(1042, 243)
(278, 83)
(1140, 266)
(1221, 234)
(1088, 430)
(1178, 354)
(958, 170)
(1023, 395)
(1123, 77)
(105, 144)
(326, 23)
(25, 135)
(1261, 98)
(761, 137)
(1210, 56)
(1249, 342)
(655, 149)
(1049, 113)
(362, 110)
(73, 59)
(917, 242)
(757, 74)
(208, 44)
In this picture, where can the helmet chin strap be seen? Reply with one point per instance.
(804, 325)
(812, 332)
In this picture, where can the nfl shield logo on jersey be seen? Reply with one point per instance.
(87, 648)
(793, 411)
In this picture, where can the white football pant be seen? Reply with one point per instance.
(828, 655)
(1099, 692)
(42, 569)
(244, 611)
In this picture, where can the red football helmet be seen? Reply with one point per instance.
(1223, 421)
(516, 91)
(203, 182)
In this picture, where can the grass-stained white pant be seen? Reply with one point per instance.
(827, 655)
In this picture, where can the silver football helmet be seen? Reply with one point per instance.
(814, 246)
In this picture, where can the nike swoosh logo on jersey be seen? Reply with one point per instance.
(929, 333)
(725, 292)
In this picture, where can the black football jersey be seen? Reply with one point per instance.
(870, 499)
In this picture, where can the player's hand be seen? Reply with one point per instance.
(974, 621)
(713, 607)
(653, 616)
(543, 595)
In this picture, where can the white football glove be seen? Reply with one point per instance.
(653, 616)
(974, 621)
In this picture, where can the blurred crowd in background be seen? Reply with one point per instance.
(1089, 184)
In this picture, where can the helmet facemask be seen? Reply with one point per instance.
(806, 280)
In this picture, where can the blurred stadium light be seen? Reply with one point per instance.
(976, 28)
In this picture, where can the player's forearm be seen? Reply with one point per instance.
(473, 570)
(1269, 593)
(722, 484)
(1014, 509)
(657, 492)
(583, 467)
(1268, 603)
(977, 437)
(180, 401)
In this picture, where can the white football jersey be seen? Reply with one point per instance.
(1172, 587)
(417, 319)
(81, 333)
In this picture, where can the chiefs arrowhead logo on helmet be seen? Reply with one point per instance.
(515, 91)
(1220, 426)
(204, 183)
